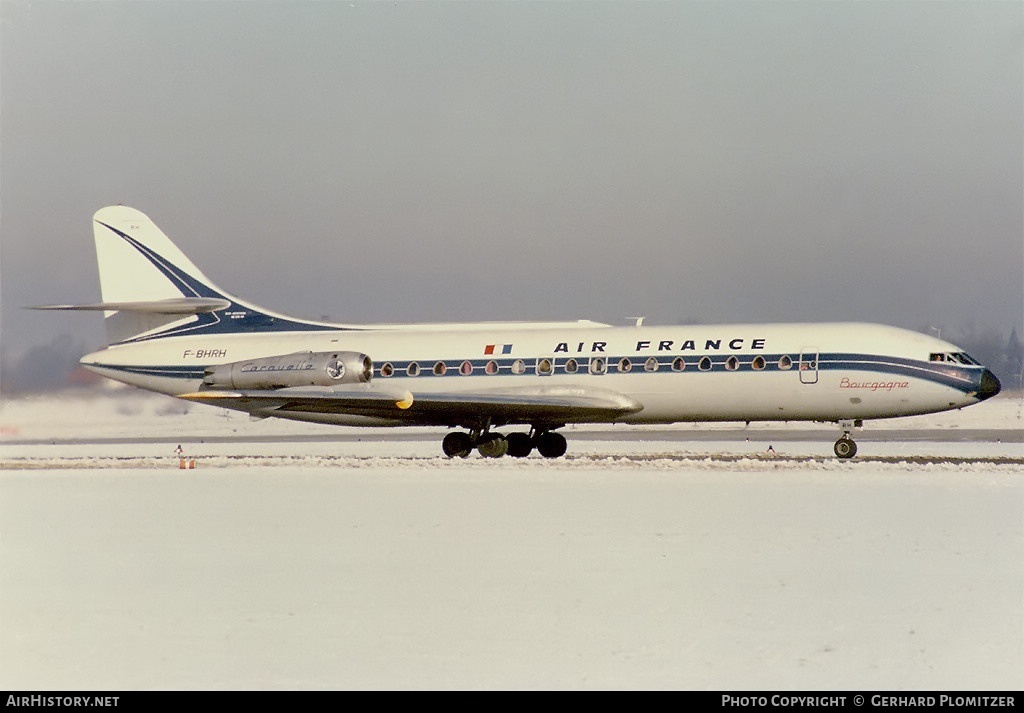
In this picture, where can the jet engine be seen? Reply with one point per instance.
(298, 369)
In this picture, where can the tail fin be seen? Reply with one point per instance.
(151, 290)
(149, 285)
(138, 263)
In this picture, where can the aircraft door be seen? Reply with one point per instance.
(808, 365)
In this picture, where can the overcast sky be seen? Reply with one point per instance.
(386, 162)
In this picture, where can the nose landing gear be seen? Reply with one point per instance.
(846, 447)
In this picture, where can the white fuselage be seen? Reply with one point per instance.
(748, 372)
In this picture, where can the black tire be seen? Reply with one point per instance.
(519, 445)
(457, 444)
(492, 446)
(845, 448)
(551, 445)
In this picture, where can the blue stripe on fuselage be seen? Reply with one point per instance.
(962, 378)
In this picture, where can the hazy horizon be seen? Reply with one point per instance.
(371, 162)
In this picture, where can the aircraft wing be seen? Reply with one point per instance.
(529, 405)
(552, 406)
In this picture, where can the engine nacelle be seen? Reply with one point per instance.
(298, 369)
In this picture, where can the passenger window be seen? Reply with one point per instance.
(572, 366)
(732, 363)
(519, 366)
(597, 365)
(544, 367)
(413, 369)
(387, 370)
(439, 368)
(625, 364)
(704, 364)
(651, 364)
(492, 367)
(785, 362)
(678, 364)
(466, 369)
(758, 363)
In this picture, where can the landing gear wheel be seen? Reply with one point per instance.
(457, 444)
(845, 448)
(551, 445)
(492, 446)
(519, 445)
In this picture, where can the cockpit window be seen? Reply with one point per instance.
(954, 357)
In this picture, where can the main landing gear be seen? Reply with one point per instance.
(494, 445)
(846, 447)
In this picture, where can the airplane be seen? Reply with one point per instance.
(172, 330)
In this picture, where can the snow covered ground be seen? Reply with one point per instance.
(85, 424)
(121, 411)
(290, 559)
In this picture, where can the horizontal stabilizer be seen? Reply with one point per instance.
(173, 305)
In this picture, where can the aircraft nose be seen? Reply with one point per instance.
(990, 385)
